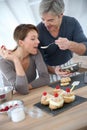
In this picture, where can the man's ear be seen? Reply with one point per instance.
(60, 16)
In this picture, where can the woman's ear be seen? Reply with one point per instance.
(20, 43)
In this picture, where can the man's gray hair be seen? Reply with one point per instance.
(54, 6)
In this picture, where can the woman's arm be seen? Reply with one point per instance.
(13, 71)
(43, 78)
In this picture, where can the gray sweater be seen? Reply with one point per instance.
(20, 83)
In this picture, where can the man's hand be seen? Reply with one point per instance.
(63, 43)
(60, 72)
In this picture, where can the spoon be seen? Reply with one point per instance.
(45, 47)
(75, 83)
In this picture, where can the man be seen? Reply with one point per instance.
(64, 31)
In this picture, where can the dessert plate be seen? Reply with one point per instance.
(66, 106)
(79, 77)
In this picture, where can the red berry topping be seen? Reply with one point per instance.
(6, 108)
(2, 96)
(56, 95)
(57, 87)
(16, 104)
(44, 93)
(67, 89)
(10, 106)
(1, 110)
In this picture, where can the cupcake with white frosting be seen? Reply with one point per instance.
(68, 96)
(56, 102)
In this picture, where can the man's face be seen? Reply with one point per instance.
(51, 21)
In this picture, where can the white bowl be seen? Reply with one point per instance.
(9, 105)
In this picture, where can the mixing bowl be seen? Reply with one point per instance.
(5, 94)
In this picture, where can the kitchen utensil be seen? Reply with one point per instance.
(45, 47)
(75, 83)
(72, 67)
(34, 112)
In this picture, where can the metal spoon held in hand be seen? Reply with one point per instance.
(45, 47)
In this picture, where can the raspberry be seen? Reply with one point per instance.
(44, 93)
(56, 95)
(6, 108)
(10, 106)
(16, 105)
(2, 96)
(67, 89)
(57, 87)
(1, 110)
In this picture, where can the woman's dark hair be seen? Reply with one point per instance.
(22, 30)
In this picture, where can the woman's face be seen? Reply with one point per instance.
(31, 42)
(51, 21)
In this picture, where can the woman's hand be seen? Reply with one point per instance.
(60, 72)
(6, 54)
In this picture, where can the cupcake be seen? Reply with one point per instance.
(45, 98)
(68, 96)
(58, 90)
(56, 102)
(65, 81)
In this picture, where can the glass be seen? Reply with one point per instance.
(17, 113)
(34, 112)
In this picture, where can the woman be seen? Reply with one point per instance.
(64, 31)
(19, 66)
